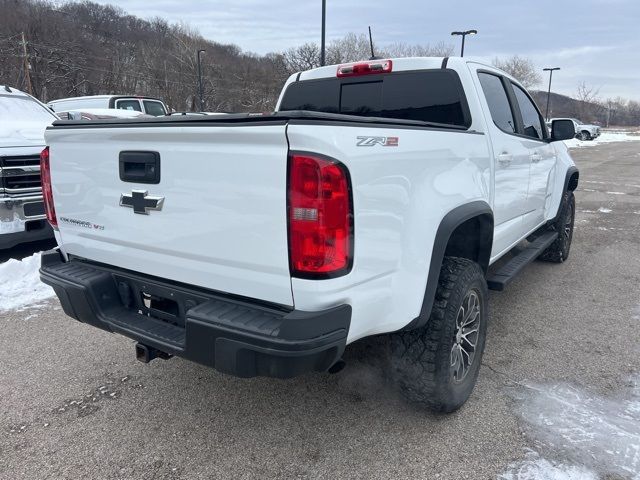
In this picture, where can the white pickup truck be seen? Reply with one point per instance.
(584, 131)
(376, 200)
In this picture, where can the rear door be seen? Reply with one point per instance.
(511, 162)
(216, 216)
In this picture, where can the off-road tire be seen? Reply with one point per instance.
(558, 251)
(421, 359)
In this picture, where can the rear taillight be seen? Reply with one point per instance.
(320, 217)
(47, 192)
(365, 68)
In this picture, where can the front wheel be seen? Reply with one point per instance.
(558, 251)
(437, 365)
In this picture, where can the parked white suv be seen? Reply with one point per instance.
(374, 201)
(23, 120)
(148, 105)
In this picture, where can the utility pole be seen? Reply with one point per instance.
(322, 34)
(550, 70)
(27, 66)
(200, 82)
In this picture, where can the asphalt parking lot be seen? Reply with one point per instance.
(559, 388)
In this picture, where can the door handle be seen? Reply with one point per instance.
(504, 159)
(139, 166)
(535, 157)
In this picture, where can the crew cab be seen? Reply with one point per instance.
(381, 198)
(23, 120)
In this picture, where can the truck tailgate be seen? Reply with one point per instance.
(222, 223)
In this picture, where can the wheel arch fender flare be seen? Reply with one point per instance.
(570, 184)
(571, 179)
(450, 222)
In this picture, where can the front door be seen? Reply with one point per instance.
(541, 156)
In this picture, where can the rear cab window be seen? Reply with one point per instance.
(432, 96)
(132, 104)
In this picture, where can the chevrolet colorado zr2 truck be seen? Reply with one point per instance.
(376, 200)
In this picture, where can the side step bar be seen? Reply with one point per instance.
(513, 267)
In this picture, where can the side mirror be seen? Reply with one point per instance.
(562, 130)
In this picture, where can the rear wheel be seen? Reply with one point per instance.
(437, 365)
(558, 251)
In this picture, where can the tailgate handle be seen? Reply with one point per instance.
(140, 167)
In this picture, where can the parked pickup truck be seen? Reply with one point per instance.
(375, 201)
(584, 131)
(23, 120)
(148, 105)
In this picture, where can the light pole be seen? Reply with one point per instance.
(322, 34)
(550, 70)
(463, 35)
(200, 81)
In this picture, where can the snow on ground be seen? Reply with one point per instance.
(597, 433)
(605, 137)
(20, 284)
(533, 467)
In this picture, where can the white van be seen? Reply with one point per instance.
(148, 105)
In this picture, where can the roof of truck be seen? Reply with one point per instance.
(100, 97)
(7, 90)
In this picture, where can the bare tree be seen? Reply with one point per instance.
(405, 50)
(350, 48)
(304, 57)
(521, 68)
(588, 106)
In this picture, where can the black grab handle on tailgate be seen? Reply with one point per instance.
(140, 167)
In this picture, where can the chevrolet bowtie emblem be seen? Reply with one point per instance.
(141, 201)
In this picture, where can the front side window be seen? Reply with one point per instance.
(128, 105)
(530, 116)
(154, 108)
(498, 102)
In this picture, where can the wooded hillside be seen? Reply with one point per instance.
(82, 48)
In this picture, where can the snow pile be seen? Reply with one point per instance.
(536, 468)
(20, 283)
(605, 137)
(600, 433)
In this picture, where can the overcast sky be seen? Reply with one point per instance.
(595, 41)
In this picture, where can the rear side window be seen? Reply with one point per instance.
(128, 105)
(530, 116)
(154, 108)
(498, 102)
(434, 96)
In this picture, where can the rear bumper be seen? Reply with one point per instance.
(235, 336)
(22, 220)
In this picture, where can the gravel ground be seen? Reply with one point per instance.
(74, 402)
